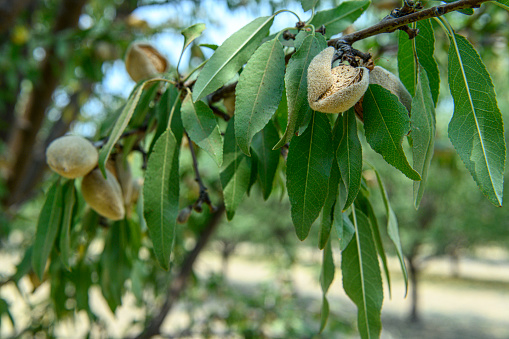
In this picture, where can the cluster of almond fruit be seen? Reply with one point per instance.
(73, 156)
(335, 90)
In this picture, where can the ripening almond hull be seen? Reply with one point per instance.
(381, 76)
(71, 156)
(103, 195)
(334, 90)
(143, 61)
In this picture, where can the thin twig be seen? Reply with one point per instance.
(204, 196)
(391, 25)
(219, 113)
(179, 283)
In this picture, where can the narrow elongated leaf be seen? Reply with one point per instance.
(120, 125)
(169, 102)
(328, 207)
(393, 229)
(161, 196)
(425, 46)
(326, 279)
(407, 61)
(297, 86)
(338, 19)
(386, 121)
(267, 158)
(114, 265)
(308, 4)
(423, 133)
(254, 173)
(235, 173)
(476, 128)
(191, 33)
(230, 56)
(308, 167)
(362, 202)
(345, 230)
(143, 106)
(122, 121)
(349, 156)
(69, 196)
(47, 228)
(420, 50)
(201, 125)
(259, 92)
(362, 280)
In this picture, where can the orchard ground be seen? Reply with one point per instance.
(473, 305)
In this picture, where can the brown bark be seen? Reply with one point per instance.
(9, 11)
(414, 295)
(179, 283)
(24, 136)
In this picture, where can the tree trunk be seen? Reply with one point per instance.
(414, 293)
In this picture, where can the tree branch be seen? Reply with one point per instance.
(179, 283)
(25, 134)
(391, 25)
(204, 196)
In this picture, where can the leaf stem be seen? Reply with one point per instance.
(287, 10)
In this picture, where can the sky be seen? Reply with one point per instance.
(220, 23)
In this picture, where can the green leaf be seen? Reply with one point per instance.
(326, 279)
(362, 202)
(393, 229)
(407, 61)
(254, 173)
(230, 56)
(297, 85)
(421, 48)
(362, 280)
(280, 118)
(476, 129)
(120, 125)
(161, 196)
(47, 228)
(267, 158)
(169, 102)
(349, 156)
(235, 173)
(24, 266)
(259, 92)
(114, 266)
(328, 207)
(143, 105)
(386, 122)
(4, 309)
(338, 19)
(423, 133)
(191, 33)
(425, 46)
(308, 4)
(308, 167)
(201, 125)
(344, 228)
(69, 196)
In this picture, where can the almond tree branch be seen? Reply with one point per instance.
(391, 25)
(24, 136)
(179, 283)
